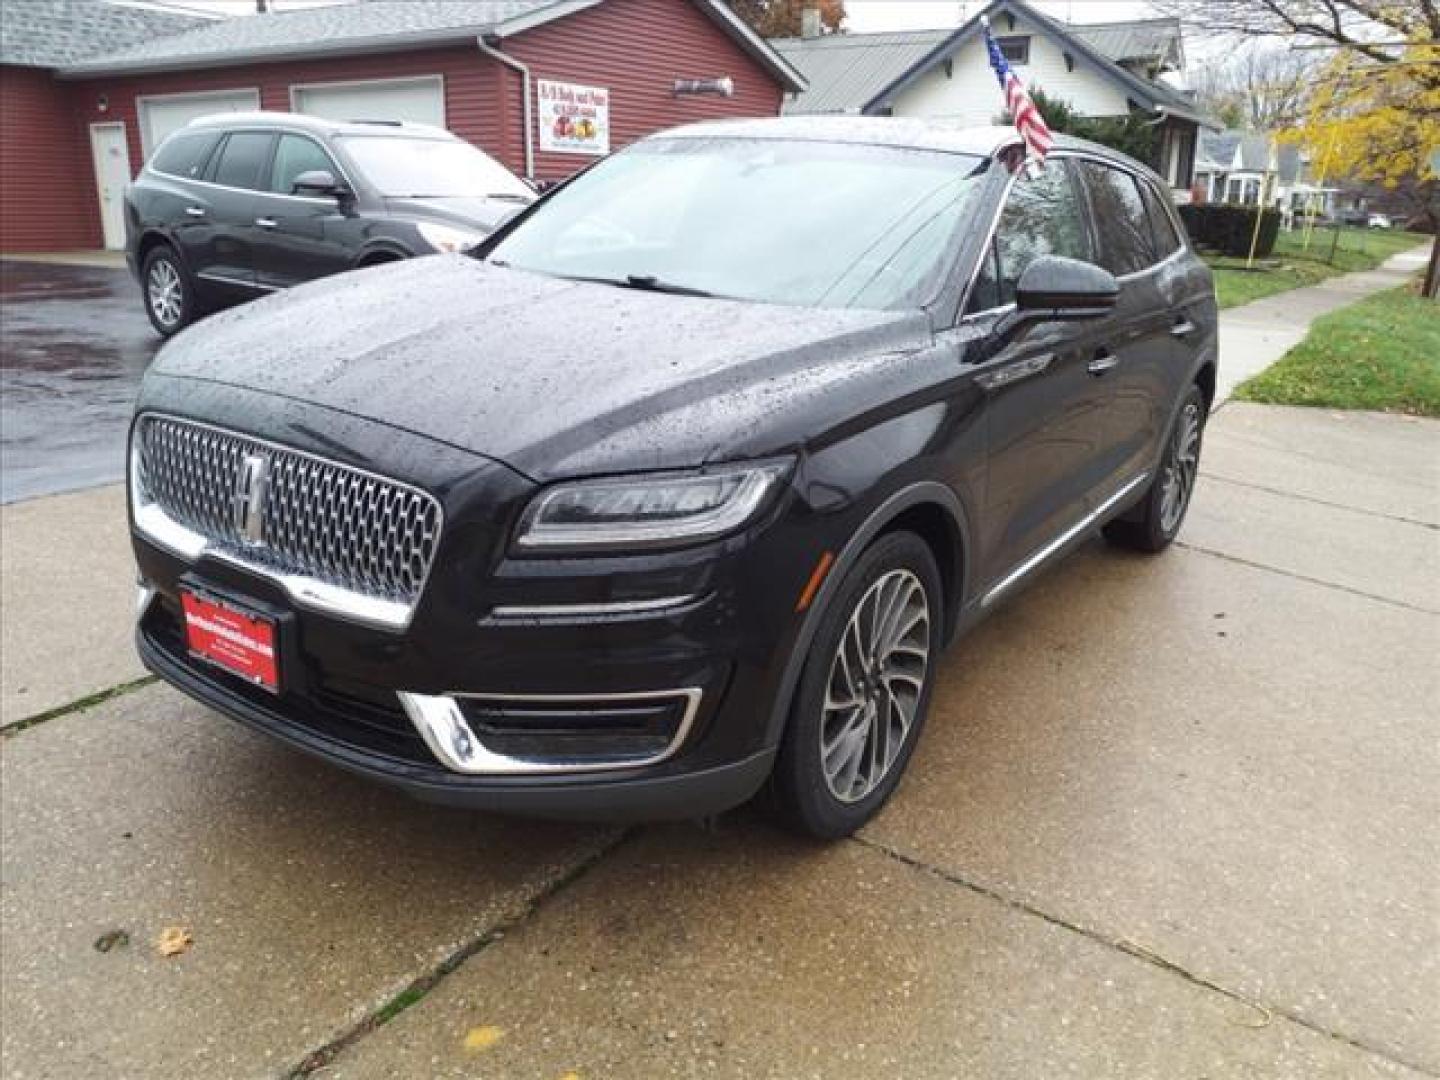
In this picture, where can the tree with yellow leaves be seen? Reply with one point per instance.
(1374, 115)
(1377, 122)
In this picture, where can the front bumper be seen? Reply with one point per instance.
(498, 628)
(608, 798)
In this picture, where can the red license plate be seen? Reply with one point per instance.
(239, 641)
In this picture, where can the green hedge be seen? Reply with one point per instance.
(1231, 228)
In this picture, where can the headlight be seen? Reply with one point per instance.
(447, 238)
(646, 512)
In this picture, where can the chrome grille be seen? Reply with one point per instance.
(322, 521)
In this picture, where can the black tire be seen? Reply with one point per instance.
(168, 291)
(804, 789)
(1156, 520)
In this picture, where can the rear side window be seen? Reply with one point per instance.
(295, 155)
(1041, 217)
(1122, 224)
(1162, 222)
(185, 155)
(242, 158)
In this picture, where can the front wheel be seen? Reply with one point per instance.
(169, 295)
(1156, 520)
(863, 696)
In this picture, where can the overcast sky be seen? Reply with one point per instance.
(867, 15)
(864, 15)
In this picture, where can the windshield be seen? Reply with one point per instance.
(802, 223)
(408, 167)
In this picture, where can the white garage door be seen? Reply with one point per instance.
(159, 116)
(420, 101)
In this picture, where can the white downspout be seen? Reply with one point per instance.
(515, 65)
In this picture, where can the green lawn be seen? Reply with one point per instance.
(1357, 249)
(1382, 353)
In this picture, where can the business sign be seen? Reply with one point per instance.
(574, 119)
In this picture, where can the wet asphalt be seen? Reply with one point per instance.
(74, 343)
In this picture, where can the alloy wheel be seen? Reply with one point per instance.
(166, 292)
(876, 681)
(1181, 468)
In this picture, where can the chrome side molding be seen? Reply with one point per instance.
(1060, 541)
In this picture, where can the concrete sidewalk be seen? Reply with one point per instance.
(1254, 336)
(96, 257)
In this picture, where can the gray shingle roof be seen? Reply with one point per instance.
(53, 33)
(305, 31)
(1150, 40)
(856, 72)
(1217, 149)
(847, 70)
(377, 26)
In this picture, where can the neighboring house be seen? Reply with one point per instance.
(481, 68)
(1241, 167)
(1105, 69)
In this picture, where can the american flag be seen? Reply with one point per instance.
(1023, 113)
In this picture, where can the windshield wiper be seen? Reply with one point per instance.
(642, 282)
(651, 283)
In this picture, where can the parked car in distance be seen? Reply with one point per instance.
(237, 205)
(1379, 221)
(679, 483)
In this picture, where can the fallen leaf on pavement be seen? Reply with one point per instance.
(173, 941)
(482, 1038)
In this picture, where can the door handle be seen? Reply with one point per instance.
(265, 222)
(195, 211)
(1183, 328)
(1104, 360)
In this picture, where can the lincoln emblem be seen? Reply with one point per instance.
(249, 512)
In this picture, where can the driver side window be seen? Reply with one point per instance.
(1041, 217)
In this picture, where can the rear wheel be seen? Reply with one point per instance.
(1156, 520)
(169, 295)
(863, 696)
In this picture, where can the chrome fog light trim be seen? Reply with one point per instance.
(590, 611)
(441, 723)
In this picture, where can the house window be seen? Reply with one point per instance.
(1015, 49)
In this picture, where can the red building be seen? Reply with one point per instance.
(589, 76)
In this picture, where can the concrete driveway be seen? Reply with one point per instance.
(1172, 817)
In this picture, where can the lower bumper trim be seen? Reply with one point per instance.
(442, 724)
(597, 798)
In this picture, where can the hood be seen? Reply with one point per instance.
(550, 376)
(485, 214)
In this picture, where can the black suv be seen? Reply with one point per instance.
(241, 204)
(682, 480)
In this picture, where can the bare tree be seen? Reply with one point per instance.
(1262, 86)
(1366, 28)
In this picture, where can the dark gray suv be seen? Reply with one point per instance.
(241, 204)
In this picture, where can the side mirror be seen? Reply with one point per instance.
(1054, 288)
(1061, 288)
(318, 182)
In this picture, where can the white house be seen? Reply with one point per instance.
(1239, 167)
(1106, 69)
